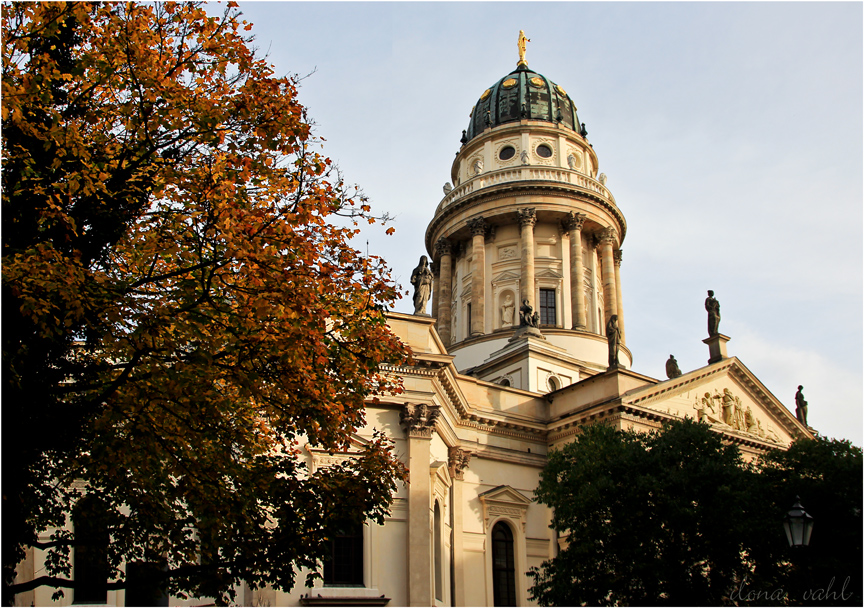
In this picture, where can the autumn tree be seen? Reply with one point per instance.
(180, 311)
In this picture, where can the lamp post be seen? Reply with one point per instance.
(798, 525)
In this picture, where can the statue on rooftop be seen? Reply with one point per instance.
(672, 369)
(613, 338)
(800, 406)
(421, 279)
(522, 47)
(713, 308)
(527, 316)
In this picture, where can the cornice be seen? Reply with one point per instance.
(522, 188)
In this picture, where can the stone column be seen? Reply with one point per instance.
(618, 303)
(478, 228)
(436, 285)
(458, 460)
(442, 248)
(610, 299)
(577, 281)
(419, 423)
(527, 219)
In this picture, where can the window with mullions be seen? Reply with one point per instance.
(547, 307)
(344, 568)
(90, 553)
(503, 566)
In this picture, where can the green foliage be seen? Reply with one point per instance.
(676, 517)
(180, 311)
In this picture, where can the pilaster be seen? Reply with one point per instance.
(418, 420)
(458, 460)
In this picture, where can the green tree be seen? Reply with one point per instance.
(648, 518)
(676, 517)
(180, 312)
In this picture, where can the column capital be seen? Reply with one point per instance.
(442, 247)
(419, 419)
(478, 226)
(616, 257)
(574, 221)
(457, 460)
(527, 217)
(608, 235)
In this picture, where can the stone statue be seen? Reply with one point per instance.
(507, 310)
(672, 369)
(800, 406)
(583, 131)
(713, 308)
(571, 162)
(527, 316)
(421, 279)
(524, 157)
(522, 47)
(613, 337)
(447, 188)
(464, 139)
(602, 178)
(477, 166)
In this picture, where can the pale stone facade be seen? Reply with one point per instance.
(527, 218)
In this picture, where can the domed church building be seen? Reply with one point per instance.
(525, 344)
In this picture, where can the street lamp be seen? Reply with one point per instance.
(798, 525)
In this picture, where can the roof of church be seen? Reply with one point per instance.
(522, 94)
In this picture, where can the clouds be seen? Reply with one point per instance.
(731, 134)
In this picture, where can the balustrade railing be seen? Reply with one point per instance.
(526, 173)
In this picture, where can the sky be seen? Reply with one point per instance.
(731, 135)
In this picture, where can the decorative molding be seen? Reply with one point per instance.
(458, 460)
(575, 220)
(418, 420)
(504, 501)
(443, 247)
(608, 235)
(478, 226)
(527, 216)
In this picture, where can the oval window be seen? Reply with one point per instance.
(544, 151)
(507, 152)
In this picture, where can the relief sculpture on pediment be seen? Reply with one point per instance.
(727, 409)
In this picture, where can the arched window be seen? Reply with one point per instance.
(437, 549)
(503, 566)
(90, 553)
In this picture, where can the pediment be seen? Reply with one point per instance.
(546, 273)
(506, 276)
(322, 458)
(727, 396)
(505, 494)
(506, 502)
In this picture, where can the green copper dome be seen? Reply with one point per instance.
(522, 94)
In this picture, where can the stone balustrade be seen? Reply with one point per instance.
(524, 173)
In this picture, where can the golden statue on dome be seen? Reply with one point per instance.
(522, 40)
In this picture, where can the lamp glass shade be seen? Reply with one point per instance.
(798, 525)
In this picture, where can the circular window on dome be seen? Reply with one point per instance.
(544, 151)
(509, 83)
(486, 94)
(507, 152)
(538, 82)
